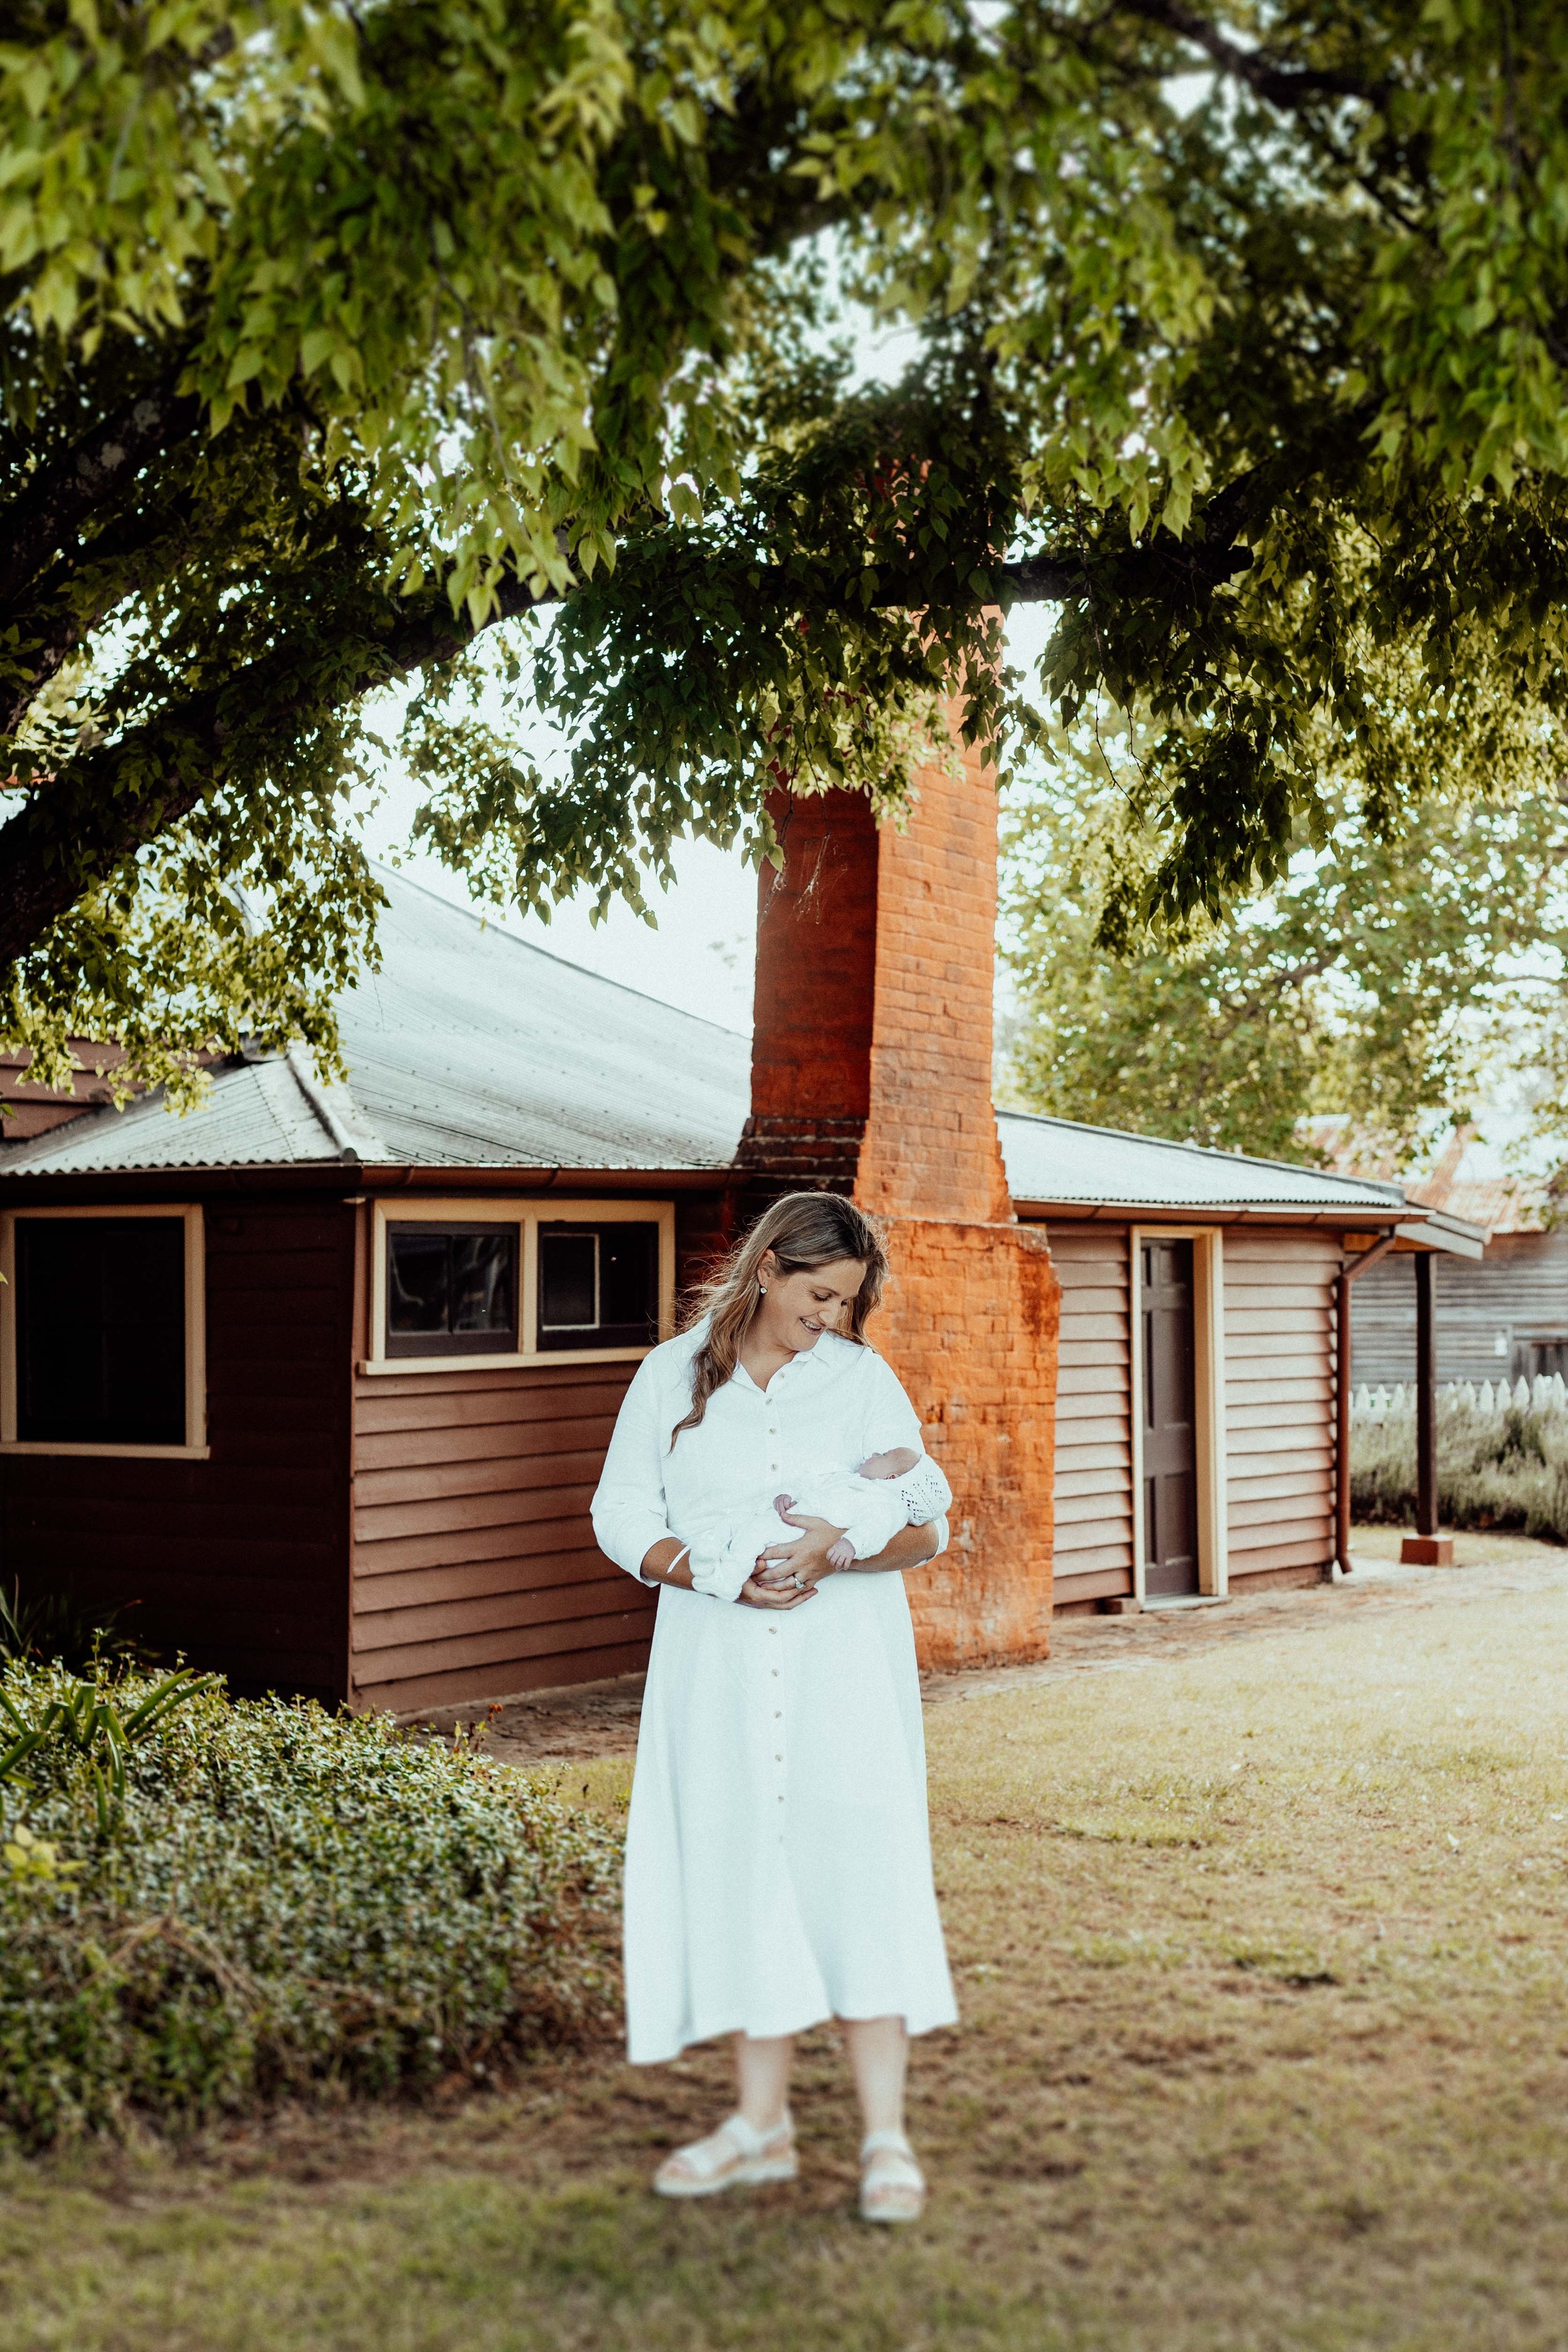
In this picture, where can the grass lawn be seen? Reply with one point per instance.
(1263, 1957)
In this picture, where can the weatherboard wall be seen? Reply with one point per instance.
(1493, 1313)
(239, 1562)
(1279, 1370)
(475, 1572)
(1094, 1432)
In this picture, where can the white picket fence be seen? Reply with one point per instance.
(1544, 1394)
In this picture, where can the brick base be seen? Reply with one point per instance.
(969, 1326)
(1426, 1551)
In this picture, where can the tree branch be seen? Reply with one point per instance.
(107, 803)
(112, 801)
(1287, 86)
(46, 515)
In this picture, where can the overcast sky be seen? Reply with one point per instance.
(699, 957)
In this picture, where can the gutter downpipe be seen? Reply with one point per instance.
(1348, 1272)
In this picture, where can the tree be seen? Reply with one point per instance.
(342, 339)
(1380, 975)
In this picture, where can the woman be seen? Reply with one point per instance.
(778, 1857)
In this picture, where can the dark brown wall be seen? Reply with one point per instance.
(241, 1561)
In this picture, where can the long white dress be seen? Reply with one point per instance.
(778, 1852)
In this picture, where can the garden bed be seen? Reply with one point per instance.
(206, 1903)
(1501, 1464)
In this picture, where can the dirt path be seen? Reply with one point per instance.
(599, 1719)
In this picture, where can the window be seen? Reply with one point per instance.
(460, 1279)
(451, 1290)
(101, 1338)
(598, 1286)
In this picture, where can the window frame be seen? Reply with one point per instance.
(195, 1447)
(402, 1347)
(528, 1215)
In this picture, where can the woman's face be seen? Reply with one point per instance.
(799, 1307)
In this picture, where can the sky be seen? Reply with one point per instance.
(698, 957)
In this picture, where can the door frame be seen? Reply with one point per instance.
(1208, 1399)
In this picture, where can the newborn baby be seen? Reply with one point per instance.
(870, 1505)
(840, 1497)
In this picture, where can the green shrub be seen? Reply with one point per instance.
(1494, 1470)
(278, 1900)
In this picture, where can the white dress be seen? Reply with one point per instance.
(778, 1853)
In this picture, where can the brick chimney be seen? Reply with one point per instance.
(871, 1074)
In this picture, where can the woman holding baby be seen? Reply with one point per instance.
(768, 1472)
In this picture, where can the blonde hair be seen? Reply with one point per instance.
(802, 1230)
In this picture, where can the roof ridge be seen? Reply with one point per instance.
(1206, 1150)
(316, 1095)
(531, 947)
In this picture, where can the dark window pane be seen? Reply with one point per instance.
(568, 1289)
(419, 1282)
(481, 1281)
(598, 1286)
(628, 1278)
(101, 1330)
(451, 1290)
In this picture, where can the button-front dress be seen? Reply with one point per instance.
(778, 1852)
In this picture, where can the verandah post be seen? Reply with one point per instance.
(1426, 1394)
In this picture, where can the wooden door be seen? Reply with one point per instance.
(1170, 1434)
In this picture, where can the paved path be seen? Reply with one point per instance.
(601, 1718)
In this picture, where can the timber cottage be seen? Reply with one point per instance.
(323, 1376)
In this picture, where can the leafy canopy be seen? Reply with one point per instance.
(1384, 975)
(340, 341)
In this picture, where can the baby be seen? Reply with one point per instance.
(870, 1505)
(840, 1497)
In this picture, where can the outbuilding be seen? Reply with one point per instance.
(320, 1377)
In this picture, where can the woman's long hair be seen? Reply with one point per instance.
(803, 1230)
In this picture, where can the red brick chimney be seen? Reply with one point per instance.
(871, 1074)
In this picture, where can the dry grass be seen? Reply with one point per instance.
(1263, 1959)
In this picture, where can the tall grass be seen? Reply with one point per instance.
(1495, 1469)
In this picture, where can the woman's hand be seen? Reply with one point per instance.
(756, 1594)
(787, 1567)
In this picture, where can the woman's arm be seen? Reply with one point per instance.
(629, 1515)
(911, 1548)
(667, 1562)
(807, 1557)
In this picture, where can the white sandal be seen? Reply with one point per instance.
(895, 2189)
(736, 2156)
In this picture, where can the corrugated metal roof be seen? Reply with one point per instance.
(470, 1048)
(1057, 1160)
(259, 1113)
